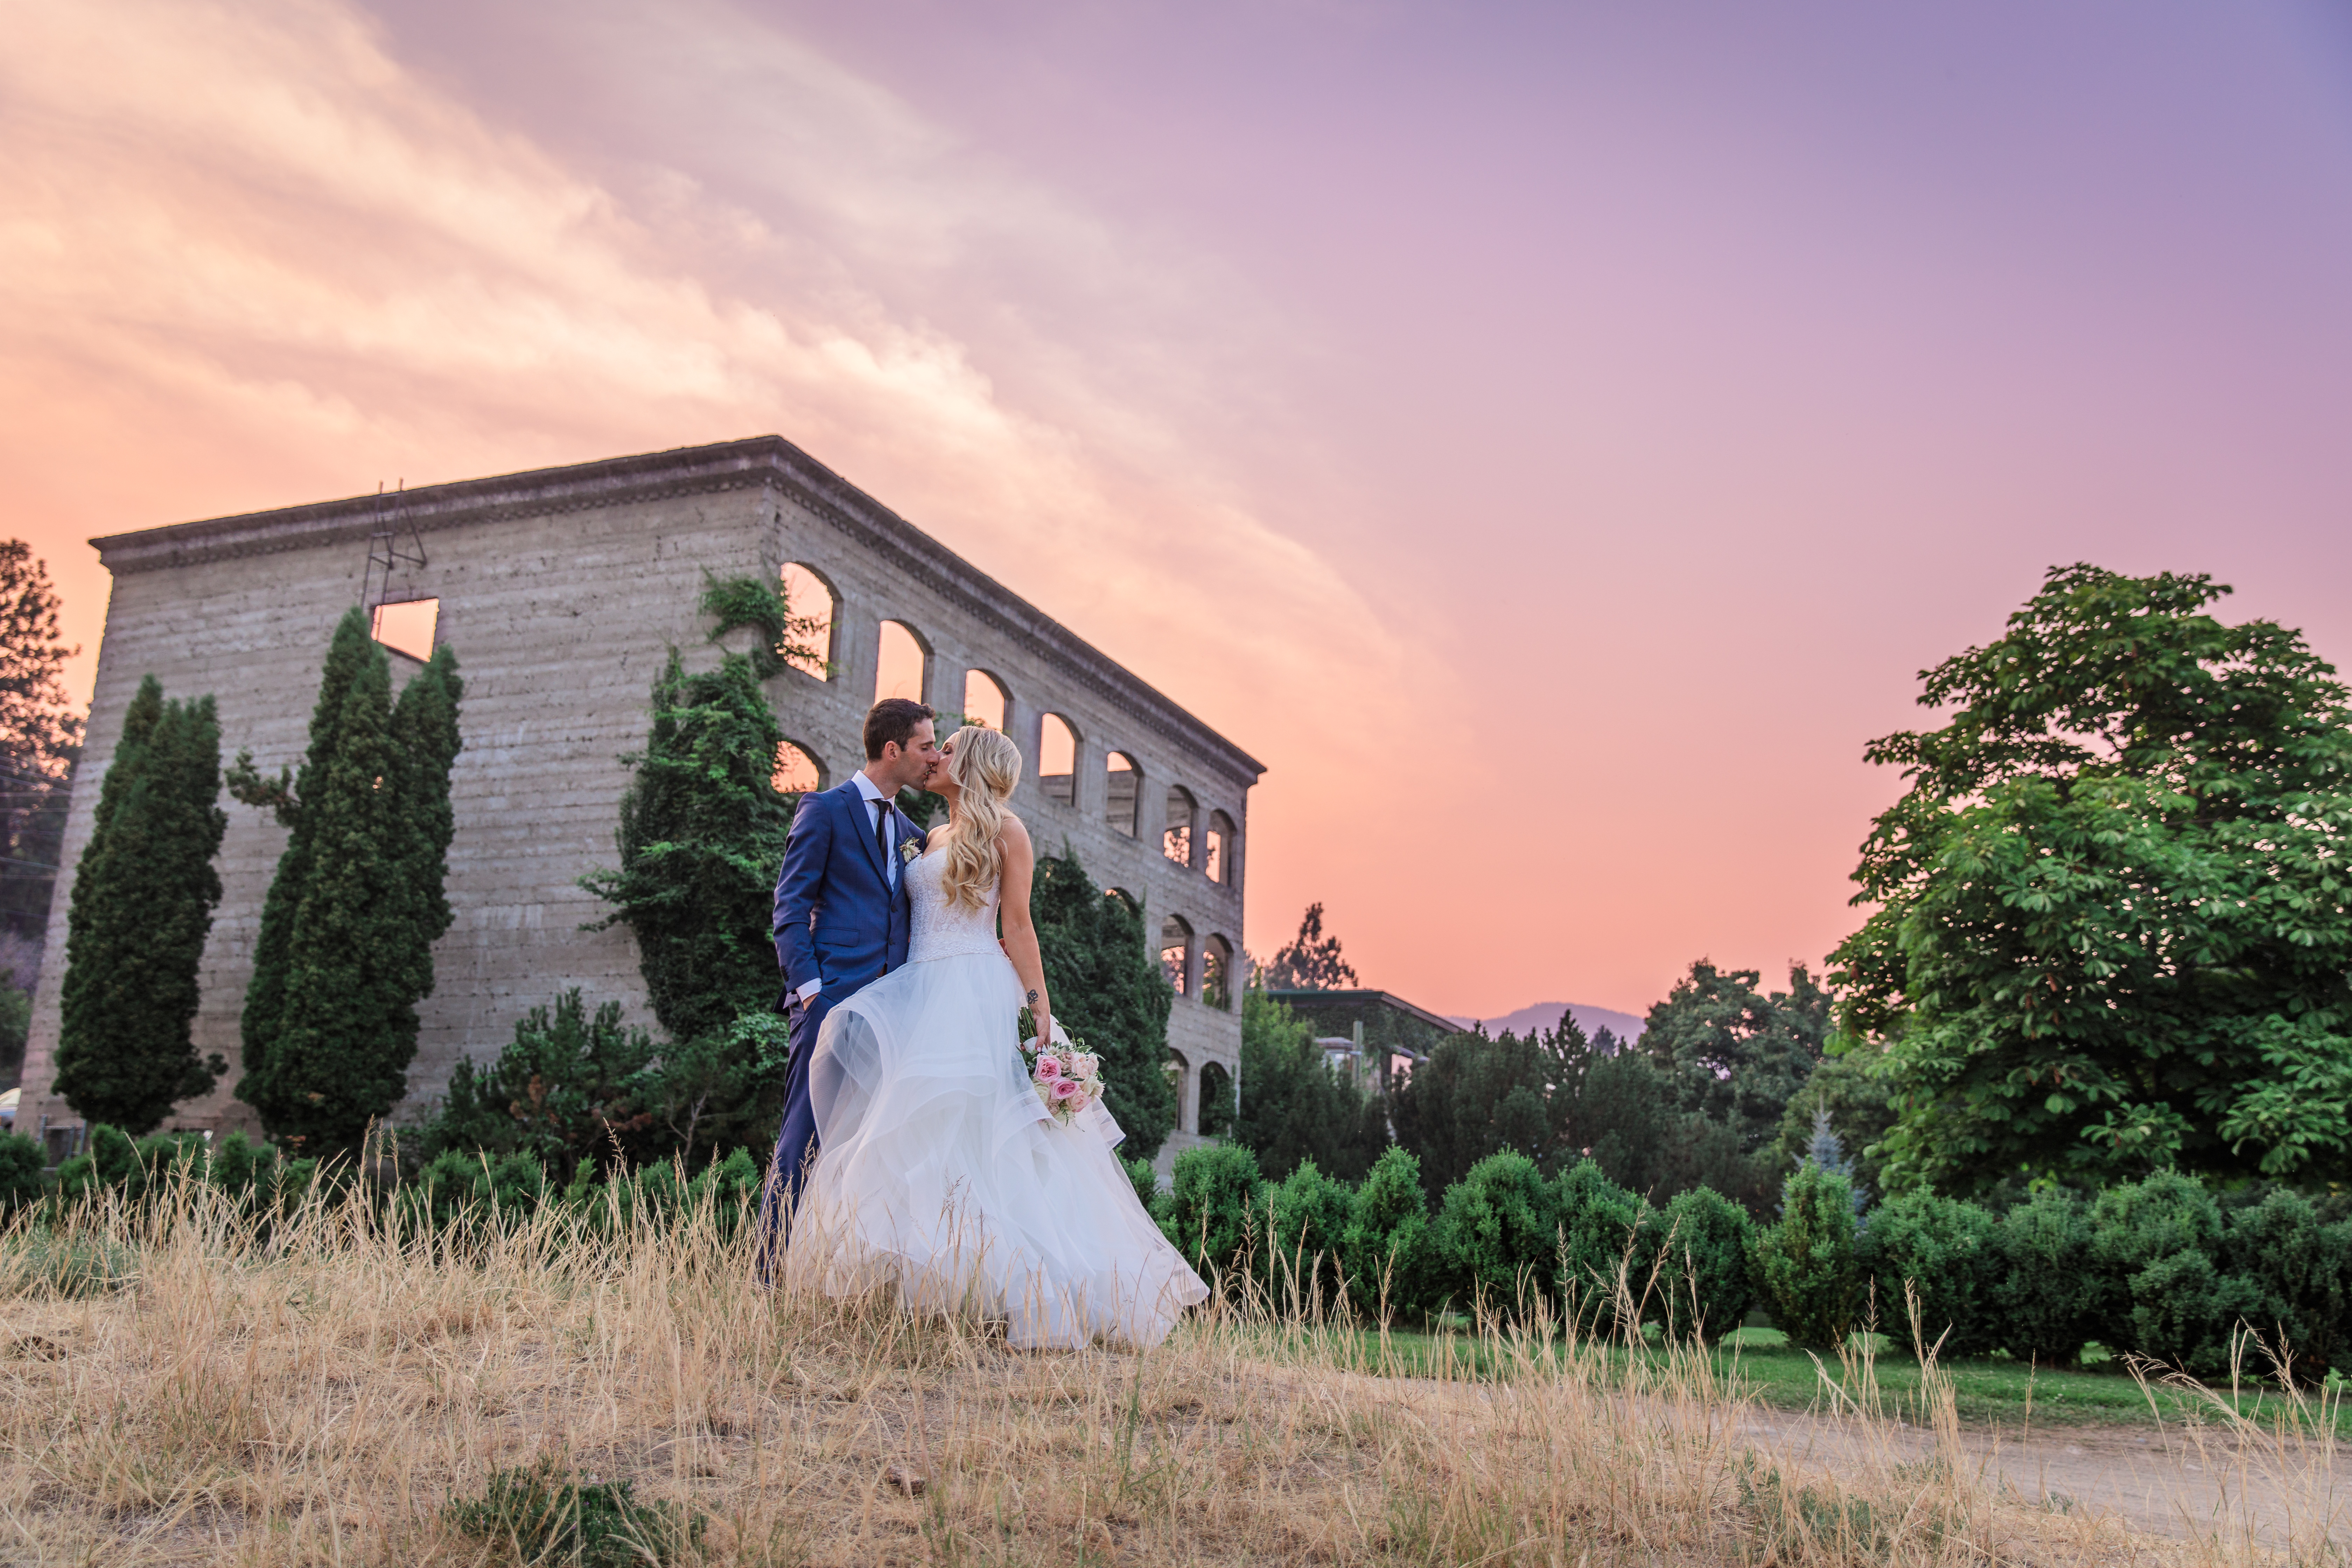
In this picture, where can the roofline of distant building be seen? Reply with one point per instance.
(1386, 998)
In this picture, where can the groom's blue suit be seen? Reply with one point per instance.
(839, 921)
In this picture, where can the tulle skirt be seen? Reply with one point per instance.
(939, 1172)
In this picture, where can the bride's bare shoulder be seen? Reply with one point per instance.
(1015, 830)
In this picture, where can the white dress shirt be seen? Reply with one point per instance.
(876, 802)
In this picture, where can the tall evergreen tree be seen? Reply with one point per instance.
(703, 828)
(344, 953)
(141, 907)
(1107, 987)
(40, 739)
(1310, 961)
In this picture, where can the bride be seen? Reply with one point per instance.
(938, 1169)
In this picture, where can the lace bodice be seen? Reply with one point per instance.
(938, 929)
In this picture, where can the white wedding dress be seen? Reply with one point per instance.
(940, 1171)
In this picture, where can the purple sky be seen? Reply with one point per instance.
(1552, 437)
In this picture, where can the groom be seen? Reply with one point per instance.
(842, 915)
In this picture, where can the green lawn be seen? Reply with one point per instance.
(1986, 1392)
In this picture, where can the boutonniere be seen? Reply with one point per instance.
(909, 852)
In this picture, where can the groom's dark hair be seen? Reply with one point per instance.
(892, 719)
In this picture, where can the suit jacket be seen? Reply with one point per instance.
(838, 920)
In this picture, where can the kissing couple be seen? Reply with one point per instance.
(915, 1148)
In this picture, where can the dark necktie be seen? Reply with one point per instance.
(882, 835)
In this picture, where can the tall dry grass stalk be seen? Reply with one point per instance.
(182, 1384)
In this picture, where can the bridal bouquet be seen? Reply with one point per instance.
(1067, 1075)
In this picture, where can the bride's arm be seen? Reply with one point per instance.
(1020, 931)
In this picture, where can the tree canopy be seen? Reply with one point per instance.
(1293, 1107)
(1310, 961)
(2112, 930)
(1734, 1054)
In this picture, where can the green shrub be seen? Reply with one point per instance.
(1305, 1249)
(1806, 1267)
(455, 1187)
(1391, 1248)
(544, 1514)
(2302, 1271)
(1602, 1230)
(1701, 1284)
(2155, 1243)
(1216, 1193)
(1146, 1182)
(1944, 1250)
(2047, 1290)
(20, 1171)
(1498, 1228)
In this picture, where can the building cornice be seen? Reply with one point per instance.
(767, 462)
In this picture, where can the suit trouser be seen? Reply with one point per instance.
(795, 1138)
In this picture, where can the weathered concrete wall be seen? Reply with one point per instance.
(561, 591)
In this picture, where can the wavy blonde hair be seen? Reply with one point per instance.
(985, 767)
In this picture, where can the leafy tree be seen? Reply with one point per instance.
(344, 953)
(1310, 961)
(1558, 1097)
(703, 829)
(40, 740)
(1737, 1056)
(2114, 916)
(142, 906)
(1107, 987)
(1293, 1107)
(1498, 1228)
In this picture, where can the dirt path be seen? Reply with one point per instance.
(2180, 1482)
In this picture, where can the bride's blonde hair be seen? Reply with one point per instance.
(985, 767)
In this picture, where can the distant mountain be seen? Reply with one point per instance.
(1546, 1014)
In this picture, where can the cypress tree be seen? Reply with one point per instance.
(1107, 988)
(344, 953)
(141, 907)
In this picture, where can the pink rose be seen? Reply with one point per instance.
(1065, 1089)
(1049, 1067)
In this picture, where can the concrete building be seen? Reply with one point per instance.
(561, 591)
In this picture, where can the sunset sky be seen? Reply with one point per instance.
(1550, 436)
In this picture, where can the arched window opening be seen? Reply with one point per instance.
(1176, 842)
(1176, 954)
(808, 622)
(1134, 905)
(1120, 792)
(984, 700)
(1057, 760)
(1173, 1066)
(1217, 972)
(1217, 847)
(797, 772)
(1219, 1113)
(899, 671)
(407, 627)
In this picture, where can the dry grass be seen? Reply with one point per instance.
(193, 1389)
